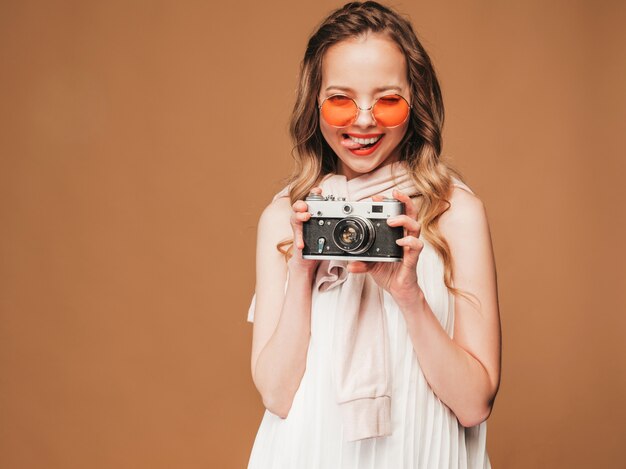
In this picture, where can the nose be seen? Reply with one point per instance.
(364, 118)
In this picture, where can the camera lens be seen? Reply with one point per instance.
(349, 235)
(354, 234)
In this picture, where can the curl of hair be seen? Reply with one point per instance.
(421, 146)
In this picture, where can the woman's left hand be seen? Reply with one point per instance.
(398, 278)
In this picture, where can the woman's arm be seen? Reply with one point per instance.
(282, 319)
(464, 372)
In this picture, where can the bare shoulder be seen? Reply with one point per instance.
(274, 220)
(277, 210)
(467, 211)
(466, 229)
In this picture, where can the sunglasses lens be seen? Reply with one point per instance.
(339, 111)
(391, 110)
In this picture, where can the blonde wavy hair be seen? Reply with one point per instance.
(420, 148)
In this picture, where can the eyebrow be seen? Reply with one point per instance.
(376, 90)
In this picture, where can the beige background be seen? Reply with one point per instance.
(139, 142)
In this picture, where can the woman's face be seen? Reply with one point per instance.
(364, 68)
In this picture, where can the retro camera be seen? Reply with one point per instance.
(345, 230)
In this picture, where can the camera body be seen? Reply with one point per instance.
(352, 230)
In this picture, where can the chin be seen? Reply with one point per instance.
(364, 167)
(364, 164)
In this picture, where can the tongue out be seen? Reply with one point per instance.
(351, 144)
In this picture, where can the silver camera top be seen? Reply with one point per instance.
(332, 207)
(330, 197)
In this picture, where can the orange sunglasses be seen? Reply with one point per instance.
(340, 110)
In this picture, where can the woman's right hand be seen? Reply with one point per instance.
(299, 215)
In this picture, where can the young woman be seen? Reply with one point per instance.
(374, 364)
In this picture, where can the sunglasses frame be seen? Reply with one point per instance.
(370, 109)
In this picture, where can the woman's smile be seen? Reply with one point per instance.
(362, 144)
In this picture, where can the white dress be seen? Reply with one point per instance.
(425, 432)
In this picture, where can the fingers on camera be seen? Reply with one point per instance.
(411, 224)
(299, 206)
(303, 216)
(408, 203)
(411, 242)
